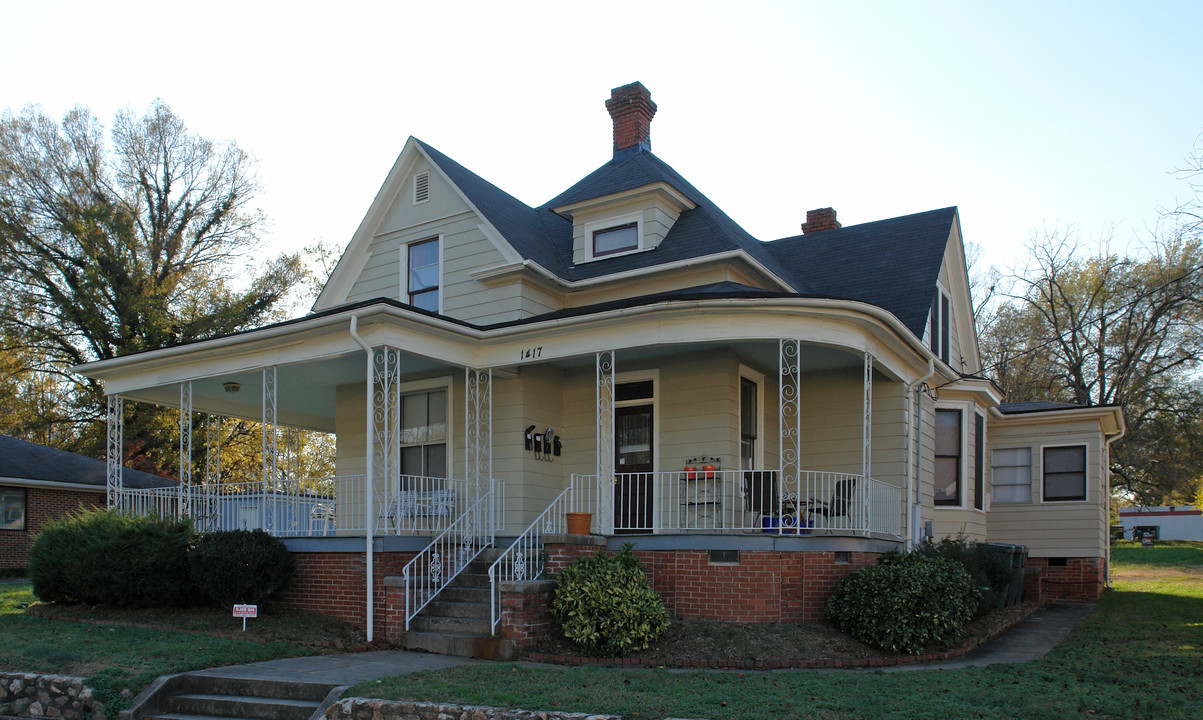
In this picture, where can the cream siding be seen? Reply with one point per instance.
(1053, 529)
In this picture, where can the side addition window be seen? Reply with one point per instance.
(422, 277)
(979, 461)
(1012, 471)
(948, 457)
(1065, 473)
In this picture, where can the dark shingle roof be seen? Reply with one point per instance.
(892, 263)
(22, 460)
(1017, 408)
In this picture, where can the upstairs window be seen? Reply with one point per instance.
(940, 336)
(616, 239)
(948, 457)
(1065, 473)
(422, 279)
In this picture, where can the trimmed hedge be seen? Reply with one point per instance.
(905, 602)
(606, 604)
(240, 566)
(105, 557)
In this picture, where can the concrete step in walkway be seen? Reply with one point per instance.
(196, 696)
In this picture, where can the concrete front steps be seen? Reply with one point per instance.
(458, 622)
(209, 697)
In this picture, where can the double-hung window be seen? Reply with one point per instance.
(948, 457)
(1065, 473)
(422, 277)
(424, 433)
(1012, 473)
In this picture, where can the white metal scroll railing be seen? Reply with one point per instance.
(448, 554)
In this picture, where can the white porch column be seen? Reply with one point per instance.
(270, 444)
(114, 445)
(478, 431)
(789, 415)
(384, 435)
(867, 441)
(183, 507)
(605, 441)
(210, 485)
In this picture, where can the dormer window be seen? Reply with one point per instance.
(620, 238)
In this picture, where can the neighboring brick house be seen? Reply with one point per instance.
(756, 417)
(39, 484)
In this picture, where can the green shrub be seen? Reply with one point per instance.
(240, 566)
(606, 604)
(105, 557)
(990, 570)
(905, 602)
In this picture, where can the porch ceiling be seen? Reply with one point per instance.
(814, 358)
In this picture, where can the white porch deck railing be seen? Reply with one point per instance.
(746, 501)
(448, 554)
(314, 507)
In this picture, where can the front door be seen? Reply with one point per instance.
(634, 481)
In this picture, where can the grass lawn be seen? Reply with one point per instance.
(1138, 655)
(115, 657)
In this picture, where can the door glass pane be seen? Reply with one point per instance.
(634, 436)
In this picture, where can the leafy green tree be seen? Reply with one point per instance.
(113, 247)
(1105, 329)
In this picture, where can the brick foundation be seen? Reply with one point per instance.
(1080, 579)
(333, 583)
(526, 610)
(42, 505)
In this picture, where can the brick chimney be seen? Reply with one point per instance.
(631, 108)
(821, 219)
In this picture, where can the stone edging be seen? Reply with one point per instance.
(952, 654)
(59, 697)
(41, 611)
(357, 708)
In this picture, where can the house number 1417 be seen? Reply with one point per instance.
(531, 353)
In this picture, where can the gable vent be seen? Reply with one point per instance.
(421, 187)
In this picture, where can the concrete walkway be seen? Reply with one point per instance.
(1031, 639)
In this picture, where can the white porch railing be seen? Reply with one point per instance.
(314, 507)
(448, 554)
(748, 501)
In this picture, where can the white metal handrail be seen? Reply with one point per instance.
(524, 559)
(448, 554)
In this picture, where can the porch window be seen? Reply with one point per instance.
(1012, 470)
(948, 457)
(748, 416)
(424, 433)
(1065, 473)
(422, 279)
(12, 508)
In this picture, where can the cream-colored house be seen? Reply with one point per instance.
(626, 349)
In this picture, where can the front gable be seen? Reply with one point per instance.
(418, 203)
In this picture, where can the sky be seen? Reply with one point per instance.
(1028, 116)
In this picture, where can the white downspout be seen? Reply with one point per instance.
(369, 476)
(913, 457)
(1107, 499)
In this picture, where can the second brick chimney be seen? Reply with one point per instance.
(821, 219)
(631, 108)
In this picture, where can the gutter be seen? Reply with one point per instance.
(913, 404)
(1108, 440)
(368, 479)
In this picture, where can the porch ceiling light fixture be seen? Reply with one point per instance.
(231, 386)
